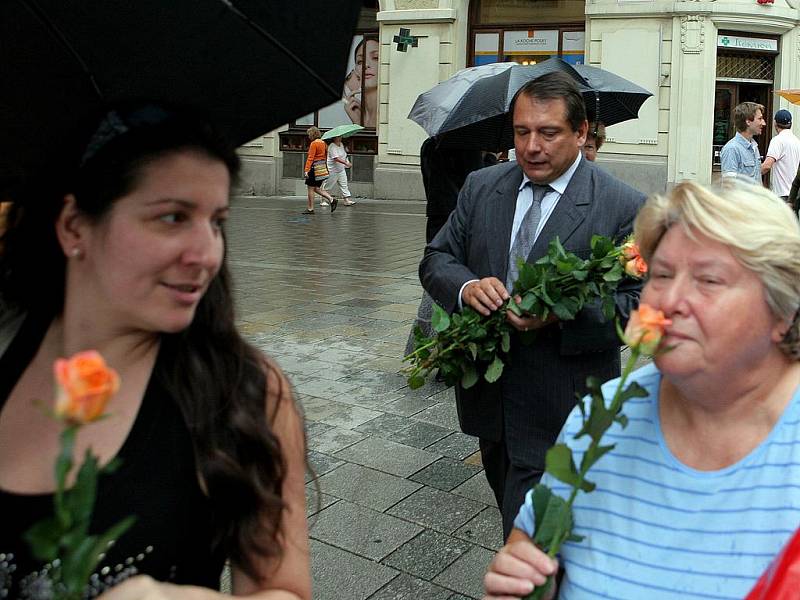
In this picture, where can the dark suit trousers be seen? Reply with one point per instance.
(509, 483)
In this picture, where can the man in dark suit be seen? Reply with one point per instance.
(513, 209)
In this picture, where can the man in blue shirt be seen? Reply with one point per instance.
(740, 156)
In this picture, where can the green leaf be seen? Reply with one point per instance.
(494, 370)
(540, 498)
(473, 350)
(505, 341)
(593, 454)
(416, 382)
(440, 320)
(556, 518)
(574, 537)
(580, 275)
(560, 465)
(80, 499)
(43, 539)
(470, 377)
(622, 420)
(633, 390)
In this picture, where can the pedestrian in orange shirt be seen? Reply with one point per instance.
(316, 170)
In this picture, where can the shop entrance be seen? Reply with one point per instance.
(741, 77)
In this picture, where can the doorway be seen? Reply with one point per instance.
(726, 96)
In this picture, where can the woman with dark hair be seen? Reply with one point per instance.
(124, 253)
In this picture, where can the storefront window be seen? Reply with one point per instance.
(527, 32)
(507, 12)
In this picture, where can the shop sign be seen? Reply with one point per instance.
(736, 42)
(530, 42)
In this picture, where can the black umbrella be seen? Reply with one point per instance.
(470, 110)
(250, 65)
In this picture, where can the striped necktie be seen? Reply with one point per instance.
(526, 236)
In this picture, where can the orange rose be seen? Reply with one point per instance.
(645, 329)
(85, 384)
(632, 260)
(636, 267)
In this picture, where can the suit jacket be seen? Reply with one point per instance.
(529, 404)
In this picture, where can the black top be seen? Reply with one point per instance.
(156, 481)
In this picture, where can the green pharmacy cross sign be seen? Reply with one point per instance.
(725, 41)
(404, 40)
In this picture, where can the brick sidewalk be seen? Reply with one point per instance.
(405, 511)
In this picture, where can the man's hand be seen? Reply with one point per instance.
(517, 569)
(528, 323)
(485, 295)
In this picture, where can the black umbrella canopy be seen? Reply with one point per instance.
(480, 120)
(249, 65)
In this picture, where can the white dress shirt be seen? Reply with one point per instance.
(524, 201)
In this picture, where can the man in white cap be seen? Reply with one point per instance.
(783, 155)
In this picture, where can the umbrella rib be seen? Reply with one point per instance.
(37, 12)
(266, 34)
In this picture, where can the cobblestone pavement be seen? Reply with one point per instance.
(404, 510)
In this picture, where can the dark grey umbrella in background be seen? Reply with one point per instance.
(250, 65)
(470, 110)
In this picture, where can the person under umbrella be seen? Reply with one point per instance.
(121, 249)
(595, 138)
(315, 171)
(337, 163)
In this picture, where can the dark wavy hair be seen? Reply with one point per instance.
(218, 380)
(554, 86)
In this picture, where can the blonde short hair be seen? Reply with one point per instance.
(313, 132)
(759, 228)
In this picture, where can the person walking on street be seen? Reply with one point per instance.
(337, 163)
(515, 209)
(315, 170)
(740, 156)
(783, 155)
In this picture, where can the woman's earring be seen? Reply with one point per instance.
(76, 252)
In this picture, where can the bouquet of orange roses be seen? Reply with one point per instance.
(466, 345)
(63, 541)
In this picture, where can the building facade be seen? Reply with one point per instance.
(699, 58)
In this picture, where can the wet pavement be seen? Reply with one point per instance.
(404, 510)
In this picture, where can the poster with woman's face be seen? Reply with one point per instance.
(359, 103)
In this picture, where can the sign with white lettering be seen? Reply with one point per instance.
(737, 42)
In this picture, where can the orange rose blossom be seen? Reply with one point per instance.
(85, 384)
(645, 329)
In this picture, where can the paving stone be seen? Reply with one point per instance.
(339, 575)
(477, 488)
(485, 529)
(316, 501)
(427, 555)
(385, 424)
(406, 587)
(387, 456)
(465, 575)
(365, 532)
(436, 509)
(408, 406)
(350, 417)
(367, 487)
(378, 381)
(321, 463)
(365, 303)
(420, 434)
(445, 474)
(324, 388)
(334, 439)
(456, 445)
(441, 414)
(315, 428)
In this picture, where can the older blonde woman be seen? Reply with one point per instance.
(701, 490)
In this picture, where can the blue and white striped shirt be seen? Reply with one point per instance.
(657, 529)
